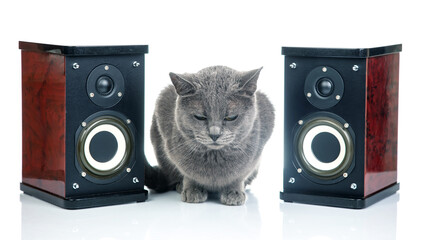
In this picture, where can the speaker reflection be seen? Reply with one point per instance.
(309, 222)
(163, 216)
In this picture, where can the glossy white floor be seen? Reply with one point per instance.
(165, 217)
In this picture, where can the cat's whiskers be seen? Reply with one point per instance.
(181, 144)
(193, 149)
(242, 151)
(187, 147)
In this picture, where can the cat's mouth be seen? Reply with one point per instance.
(209, 143)
(215, 146)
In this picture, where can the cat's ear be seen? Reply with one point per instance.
(183, 86)
(248, 82)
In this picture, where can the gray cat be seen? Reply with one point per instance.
(208, 132)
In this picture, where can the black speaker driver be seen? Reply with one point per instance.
(324, 148)
(324, 87)
(105, 147)
(105, 85)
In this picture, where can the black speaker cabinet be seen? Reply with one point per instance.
(341, 112)
(83, 124)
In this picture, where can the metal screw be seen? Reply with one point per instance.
(83, 174)
(355, 68)
(345, 174)
(91, 94)
(346, 125)
(309, 94)
(300, 122)
(119, 94)
(299, 170)
(136, 64)
(84, 124)
(324, 69)
(353, 186)
(106, 67)
(76, 66)
(291, 180)
(128, 169)
(135, 180)
(338, 97)
(128, 121)
(75, 186)
(293, 65)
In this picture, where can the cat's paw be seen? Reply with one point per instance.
(178, 187)
(194, 195)
(233, 197)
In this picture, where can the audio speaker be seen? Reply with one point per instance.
(83, 124)
(341, 112)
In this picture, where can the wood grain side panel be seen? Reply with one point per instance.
(43, 121)
(381, 122)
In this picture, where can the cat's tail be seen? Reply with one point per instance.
(155, 179)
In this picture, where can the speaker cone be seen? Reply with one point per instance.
(104, 146)
(324, 148)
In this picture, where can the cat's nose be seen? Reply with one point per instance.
(214, 136)
(214, 132)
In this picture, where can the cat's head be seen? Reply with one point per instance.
(217, 105)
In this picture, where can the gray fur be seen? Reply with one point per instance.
(217, 154)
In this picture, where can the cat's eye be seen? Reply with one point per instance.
(200, 117)
(230, 118)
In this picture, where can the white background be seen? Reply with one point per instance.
(186, 36)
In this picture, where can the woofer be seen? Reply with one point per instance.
(104, 146)
(324, 148)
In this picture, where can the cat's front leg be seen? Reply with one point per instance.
(192, 193)
(233, 195)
